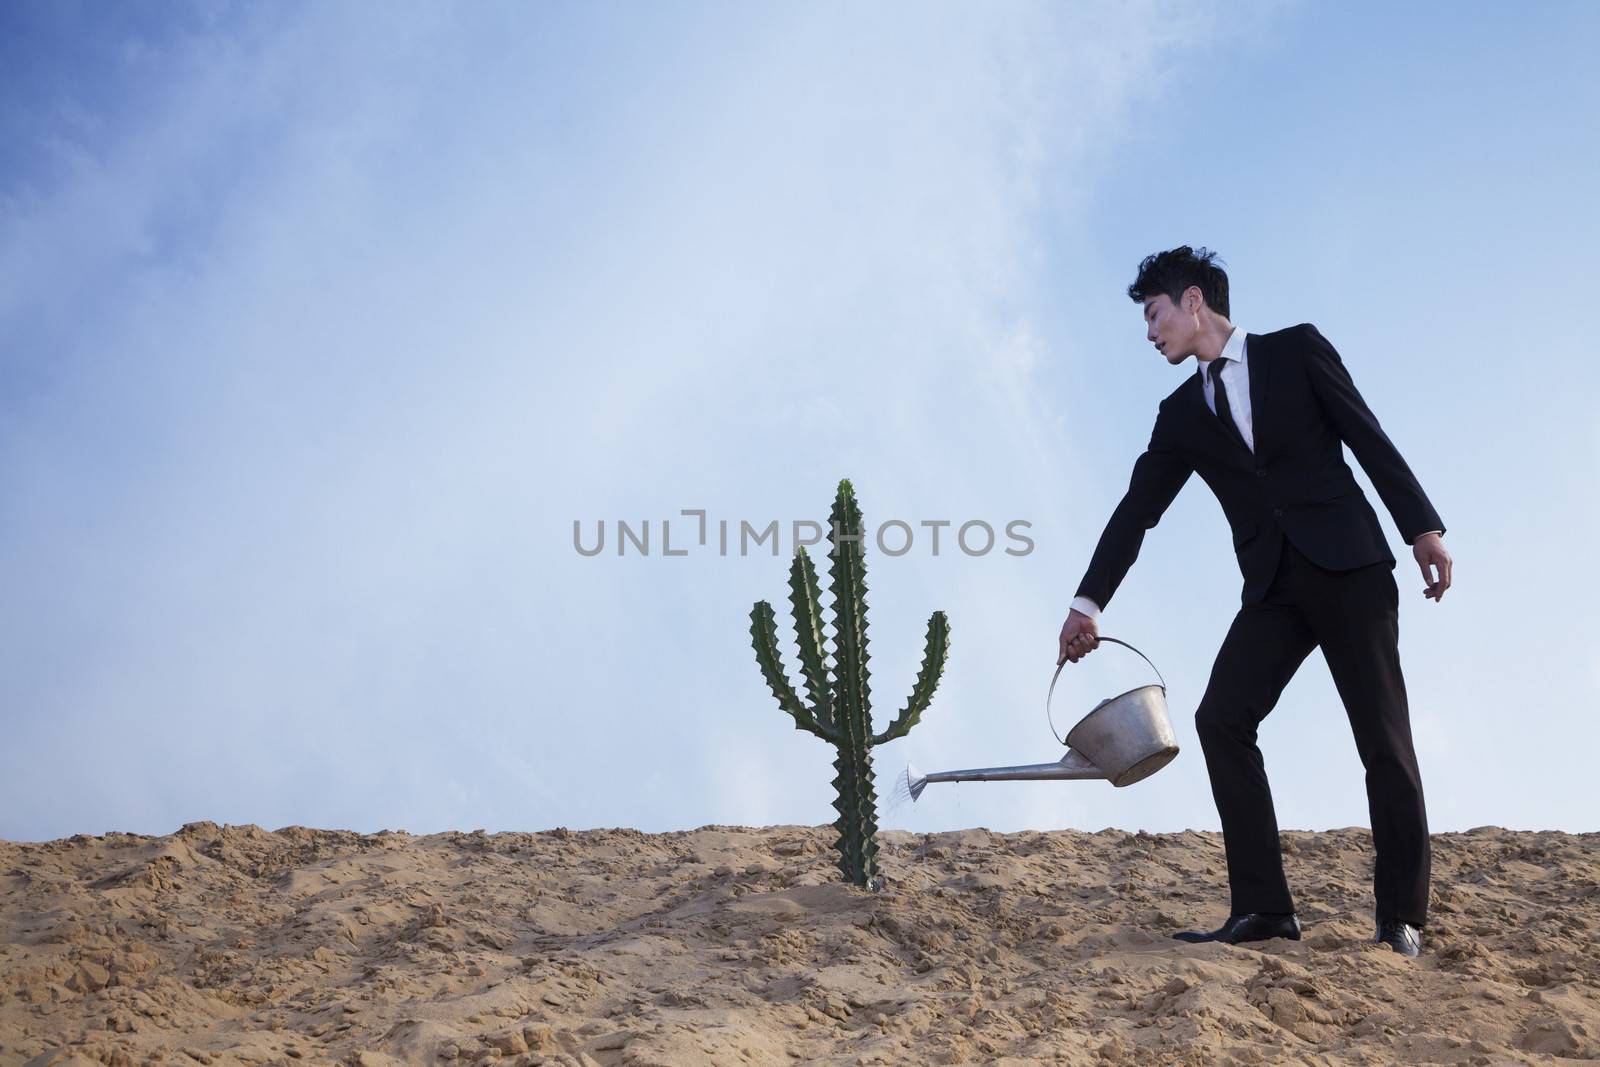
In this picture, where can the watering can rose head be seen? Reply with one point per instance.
(838, 708)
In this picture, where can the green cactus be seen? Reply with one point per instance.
(840, 709)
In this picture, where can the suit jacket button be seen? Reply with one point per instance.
(1278, 512)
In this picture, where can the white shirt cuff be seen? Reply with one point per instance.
(1086, 606)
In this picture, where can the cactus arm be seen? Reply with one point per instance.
(807, 601)
(933, 660)
(764, 636)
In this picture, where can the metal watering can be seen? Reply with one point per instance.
(1125, 739)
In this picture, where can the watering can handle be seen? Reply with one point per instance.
(1063, 663)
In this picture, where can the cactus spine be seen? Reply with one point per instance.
(840, 706)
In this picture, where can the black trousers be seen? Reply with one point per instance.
(1353, 616)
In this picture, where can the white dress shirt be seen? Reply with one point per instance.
(1235, 372)
(1236, 380)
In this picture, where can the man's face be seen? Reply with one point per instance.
(1170, 328)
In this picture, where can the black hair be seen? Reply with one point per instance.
(1174, 270)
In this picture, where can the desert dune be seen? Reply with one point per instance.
(735, 945)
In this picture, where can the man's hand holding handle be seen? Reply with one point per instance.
(1079, 637)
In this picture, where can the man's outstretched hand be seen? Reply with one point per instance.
(1431, 555)
(1079, 637)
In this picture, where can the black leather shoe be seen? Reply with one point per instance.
(1254, 926)
(1400, 936)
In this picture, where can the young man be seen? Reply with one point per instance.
(1264, 423)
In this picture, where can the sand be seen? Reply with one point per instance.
(232, 944)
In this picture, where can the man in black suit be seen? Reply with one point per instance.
(1264, 424)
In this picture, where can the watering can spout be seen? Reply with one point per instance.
(1074, 765)
(1125, 739)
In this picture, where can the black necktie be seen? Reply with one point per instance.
(1224, 412)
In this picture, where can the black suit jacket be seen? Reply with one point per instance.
(1296, 484)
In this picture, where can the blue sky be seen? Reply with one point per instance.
(321, 326)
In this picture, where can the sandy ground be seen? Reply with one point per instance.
(732, 945)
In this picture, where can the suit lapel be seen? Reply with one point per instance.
(1212, 426)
